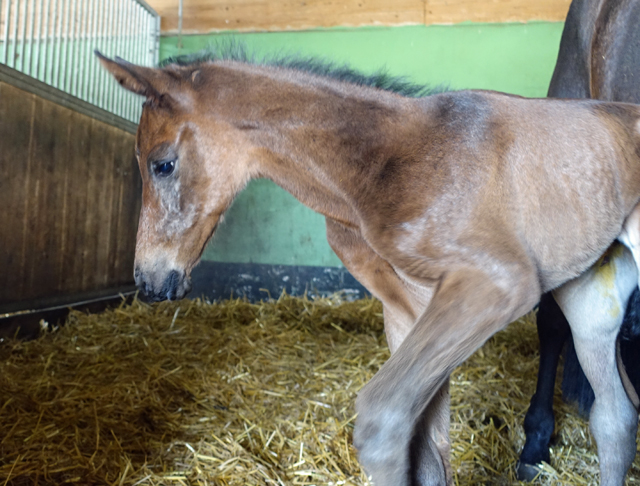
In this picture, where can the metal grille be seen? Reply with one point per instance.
(53, 41)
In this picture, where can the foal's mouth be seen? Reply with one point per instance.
(175, 286)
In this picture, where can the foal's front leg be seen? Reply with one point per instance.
(467, 309)
(402, 303)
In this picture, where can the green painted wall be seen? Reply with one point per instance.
(266, 224)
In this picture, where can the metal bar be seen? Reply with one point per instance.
(112, 51)
(14, 43)
(56, 43)
(140, 15)
(36, 56)
(65, 44)
(77, 51)
(101, 79)
(156, 42)
(131, 51)
(48, 41)
(179, 45)
(5, 47)
(116, 91)
(69, 48)
(93, 77)
(151, 52)
(69, 68)
(81, 87)
(146, 6)
(108, 85)
(130, 34)
(5, 23)
(127, 27)
(29, 24)
(23, 25)
(121, 50)
(105, 49)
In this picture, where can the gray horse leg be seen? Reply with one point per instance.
(613, 418)
(594, 305)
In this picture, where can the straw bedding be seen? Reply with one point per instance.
(192, 393)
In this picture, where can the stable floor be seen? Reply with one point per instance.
(192, 393)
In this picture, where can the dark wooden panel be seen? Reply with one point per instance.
(16, 116)
(128, 201)
(71, 190)
(76, 169)
(46, 196)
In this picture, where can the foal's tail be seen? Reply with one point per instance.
(575, 386)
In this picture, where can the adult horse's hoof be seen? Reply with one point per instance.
(527, 472)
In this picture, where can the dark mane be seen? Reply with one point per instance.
(234, 51)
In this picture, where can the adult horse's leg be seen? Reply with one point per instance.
(539, 423)
(468, 307)
(595, 323)
(402, 302)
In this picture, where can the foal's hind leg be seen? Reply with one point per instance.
(553, 330)
(594, 305)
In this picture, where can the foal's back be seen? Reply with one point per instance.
(542, 166)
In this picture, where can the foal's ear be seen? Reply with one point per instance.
(138, 79)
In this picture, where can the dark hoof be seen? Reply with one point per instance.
(527, 472)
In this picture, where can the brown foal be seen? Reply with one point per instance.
(456, 210)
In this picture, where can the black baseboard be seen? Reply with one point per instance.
(212, 280)
(25, 323)
(255, 282)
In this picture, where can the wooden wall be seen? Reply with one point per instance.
(202, 16)
(69, 193)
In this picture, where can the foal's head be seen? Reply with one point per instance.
(208, 127)
(191, 166)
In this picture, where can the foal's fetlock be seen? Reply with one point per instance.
(382, 441)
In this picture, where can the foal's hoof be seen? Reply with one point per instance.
(527, 472)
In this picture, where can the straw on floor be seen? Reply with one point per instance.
(192, 393)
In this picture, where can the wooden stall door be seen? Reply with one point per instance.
(69, 198)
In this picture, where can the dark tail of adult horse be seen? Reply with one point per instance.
(576, 388)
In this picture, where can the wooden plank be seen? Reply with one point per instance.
(247, 15)
(46, 213)
(127, 198)
(99, 160)
(455, 11)
(16, 106)
(202, 16)
(76, 173)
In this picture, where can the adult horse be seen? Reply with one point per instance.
(429, 202)
(599, 58)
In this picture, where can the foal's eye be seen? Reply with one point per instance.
(164, 168)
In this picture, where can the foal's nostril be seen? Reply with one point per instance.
(171, 284)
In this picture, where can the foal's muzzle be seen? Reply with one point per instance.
(174, 286)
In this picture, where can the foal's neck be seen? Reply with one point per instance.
(318, 138)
